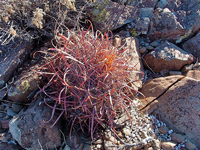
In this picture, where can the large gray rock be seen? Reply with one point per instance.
(186, 14)
(12, 56)
(109, 15)
(167, 57)
(31, 131)
(178, 107)
(193, 45)
(164, 25)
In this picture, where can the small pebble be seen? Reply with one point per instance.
(117, 41)
(190, 146)
(143, 50)
(87, 147)
(150, 47)
(187, 68)
(171, 73)
(154, 44)
(10, 112)
(16, 107)
(66, 147)
(126, 131)
(178, 138)
(5, 124)
(163, 129)
(168, 145)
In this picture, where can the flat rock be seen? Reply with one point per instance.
(192, 45)
(168, 145)
(13, 55)
(31, 131)
(179, 106)
(167, 57)
(178, 138)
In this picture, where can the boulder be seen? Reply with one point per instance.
(192, 45)
(167, 57)
(24, 85)
(12, 56)
(110, 15)
(164, 25)
(132, 44)
(31, 131)
(186, 19)
(179, 106)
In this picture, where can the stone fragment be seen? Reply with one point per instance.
(168, 145)
(186, 68)
(190, 146)
(5, 124)
(13, 56)
(178, 107)
(164, 25)
(110, 15)
(87, 147)
(150, 47)
(16, 107)
(31, 130)
(8, 146)
(192, 45)
(163, 129)
(156, 144)
(73, 140)
(143, 50)
(132, 45)
(24, 85)
(171, 73)
(154, 44)
(167, 57)
(10, 112)
(178, 138)
(195, 74)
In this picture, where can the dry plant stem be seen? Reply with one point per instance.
(88, 79)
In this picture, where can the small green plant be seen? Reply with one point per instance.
(133, 32)
(88, 79)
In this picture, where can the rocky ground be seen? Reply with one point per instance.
(162, 37)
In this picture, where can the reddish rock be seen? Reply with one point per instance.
(179, 106)
(24, 85)
(193, 45)
(14, 55)
(132, 44)
(195, 74)
(167, 57)
(31, 131)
